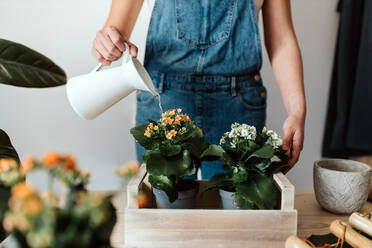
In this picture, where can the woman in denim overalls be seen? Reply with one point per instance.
(204, 56)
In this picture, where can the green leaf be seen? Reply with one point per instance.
(159, 165)
(275, 167)
(23, 67)
(166, 184)
(138, 133)
(260, 190)
(281, 154)
(6, 148)
(246, 148)
(243, 203)
(219, 181)
(240, 177)
(265, 151)
(169, 149)
(196, 146)
(212, 153)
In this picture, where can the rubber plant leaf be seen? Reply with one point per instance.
(23, 67)
(6, 148)
(159, 165)
(165, 184)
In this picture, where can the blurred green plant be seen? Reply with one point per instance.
(22, 67)
(81, 219)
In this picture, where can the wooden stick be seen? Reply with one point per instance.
(295, 242)
(360, 222)
(352, 237)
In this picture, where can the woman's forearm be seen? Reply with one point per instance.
(287, 68)
(284, 55)
(123, 15)
(285, 58)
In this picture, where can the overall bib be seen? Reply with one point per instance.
(204, 57)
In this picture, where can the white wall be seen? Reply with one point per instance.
(41, 120)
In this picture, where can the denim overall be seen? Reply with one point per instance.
(204, 57)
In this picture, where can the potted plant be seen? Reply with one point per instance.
(250, 160)
(174, 146)
(82, 219)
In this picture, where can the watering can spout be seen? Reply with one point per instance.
(93, 93)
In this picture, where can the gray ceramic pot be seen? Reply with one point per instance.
(186, 198)
(341, 186)
(227, 199)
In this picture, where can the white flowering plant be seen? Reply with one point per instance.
(250, 160)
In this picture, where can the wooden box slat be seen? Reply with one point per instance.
(208, 225)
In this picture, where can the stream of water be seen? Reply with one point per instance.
(160, 107)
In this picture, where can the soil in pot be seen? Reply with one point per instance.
(187, 192)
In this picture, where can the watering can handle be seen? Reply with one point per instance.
(126, 57)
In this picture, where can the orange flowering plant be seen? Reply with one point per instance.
(174, 146)
(82, 219)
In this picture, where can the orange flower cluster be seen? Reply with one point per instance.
(171, 124)
(7, 164)
(24, 203)
(51, 159)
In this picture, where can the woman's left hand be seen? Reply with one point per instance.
(293, 140)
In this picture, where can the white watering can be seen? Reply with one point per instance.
(91, 94)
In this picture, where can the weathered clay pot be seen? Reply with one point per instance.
(186, 197)
(341, 186)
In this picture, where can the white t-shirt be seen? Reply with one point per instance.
(258, 4)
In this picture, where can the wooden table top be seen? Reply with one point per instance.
(312, 219)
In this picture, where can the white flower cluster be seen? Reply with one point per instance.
(238, 132)
(273, 138)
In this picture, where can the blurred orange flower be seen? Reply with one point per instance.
(27, 164)
(7, 163)
(33, 206)
(22, 190)
(85, 173)
(51, 159)
(130, 168)
(70, 162)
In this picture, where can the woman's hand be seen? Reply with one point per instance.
(109, 45)
(293, 137)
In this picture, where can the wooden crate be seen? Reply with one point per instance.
(208, 225)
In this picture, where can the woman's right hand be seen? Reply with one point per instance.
(109, 45)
